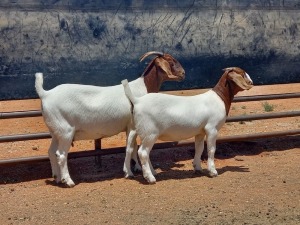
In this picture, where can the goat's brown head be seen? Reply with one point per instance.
(232, 81)
(170, 68)
(239, 77)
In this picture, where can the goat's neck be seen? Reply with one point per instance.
(226, 91)
(152, 80)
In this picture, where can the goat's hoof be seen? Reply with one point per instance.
(151, 180)
(68, 183)
(129, 176)
(57, 179)
(213, 174)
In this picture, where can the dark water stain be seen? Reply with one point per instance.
(179, 46)
(132, 30)
(97, 26)
(99, 31)
(63, 24)
(293, 29)
(201, 72)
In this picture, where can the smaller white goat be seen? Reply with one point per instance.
(77, 112)
(173, 118)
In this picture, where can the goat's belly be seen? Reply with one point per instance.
(179, 134)
(90, 134)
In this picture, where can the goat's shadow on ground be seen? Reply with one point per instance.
(190, 174)
(85, 170)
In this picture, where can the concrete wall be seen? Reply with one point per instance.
(99, 42)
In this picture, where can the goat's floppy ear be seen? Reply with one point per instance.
(239, 80)
(164, 66)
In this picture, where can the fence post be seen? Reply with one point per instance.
(98, 158)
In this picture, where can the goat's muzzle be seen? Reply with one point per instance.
(177, 77)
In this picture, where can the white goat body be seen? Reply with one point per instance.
(77, 112)
(177, 117)
(173, 118)
(86, 108)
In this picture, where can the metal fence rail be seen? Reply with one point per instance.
(99, 152)
(46, 135)
(116, 150)
(37, 113)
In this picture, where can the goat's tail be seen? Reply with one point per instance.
(128, 92)
(39, 85)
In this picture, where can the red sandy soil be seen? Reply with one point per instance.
(258, 182)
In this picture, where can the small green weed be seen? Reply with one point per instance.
(268, 107)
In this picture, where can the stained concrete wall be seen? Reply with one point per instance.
(100, 42)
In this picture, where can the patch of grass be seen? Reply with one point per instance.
(268, 107)
(243, 107)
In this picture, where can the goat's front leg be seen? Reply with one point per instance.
(199, 146)
(211, 135)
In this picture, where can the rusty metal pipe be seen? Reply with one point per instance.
(24, 137)
(263, 116)
(81, 154)
(20, 114)
(266, 97)
(246, 137)
(27, 137)
(234, 138)
(37, 113)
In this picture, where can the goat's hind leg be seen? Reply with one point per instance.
(131, 144)
(53, 160)
(144, 153)
(64, 146)
(62, 159)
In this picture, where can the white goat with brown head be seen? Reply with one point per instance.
(76, 112)
(173, 118)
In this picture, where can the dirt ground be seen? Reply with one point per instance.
(258, 182)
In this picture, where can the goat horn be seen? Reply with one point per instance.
(151, 53)
(228, 68)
